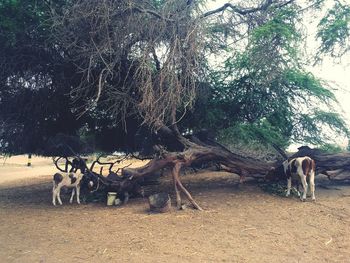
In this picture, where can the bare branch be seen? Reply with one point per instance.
(67, 162)
(152, 12)
(244, 11)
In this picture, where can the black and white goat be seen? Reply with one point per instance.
(70, 180)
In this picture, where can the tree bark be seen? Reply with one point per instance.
(196, 153)
(331, 165)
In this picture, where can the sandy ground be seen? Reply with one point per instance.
(239, 224)
(15, 168)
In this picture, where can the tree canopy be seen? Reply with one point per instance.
(104, 72)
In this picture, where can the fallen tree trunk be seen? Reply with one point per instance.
(331, 165)
(209, 151)
(196, 152)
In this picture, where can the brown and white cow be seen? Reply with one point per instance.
(302, 168)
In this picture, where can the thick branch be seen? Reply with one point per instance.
(234, 8)
(243, 11)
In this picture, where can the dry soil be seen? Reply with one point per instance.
(239, 224)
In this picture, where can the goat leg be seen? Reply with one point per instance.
(312, 185)
(71, 197)
(54, 194)
(304, 183)
(78, 195)
(289, 185)
(59, 195)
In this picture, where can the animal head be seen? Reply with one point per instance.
(79, 163)
(90, 181)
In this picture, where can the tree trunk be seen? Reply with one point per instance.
(196, 153)
(29, 163)
(331, 165)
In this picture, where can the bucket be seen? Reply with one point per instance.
(111, 196)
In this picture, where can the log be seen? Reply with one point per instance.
(331, 165)
(196, 150)
(197, 154)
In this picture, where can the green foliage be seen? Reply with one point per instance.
(307, 85)
(320, 127)
(36, 113)
(22, 20)
(280, 31)
(330, 148)
(263, 93)
(334, 30)
(277, 189)
(158, 3)
(261, 132)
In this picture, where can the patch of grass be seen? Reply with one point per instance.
(277, 189)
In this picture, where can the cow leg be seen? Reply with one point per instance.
(54, 195)
(304, 183)
(58, 189)
(71, 197)
(78, 195)
(289, 185)
(298, 191)
(312, 185)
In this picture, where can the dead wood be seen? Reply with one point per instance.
(207, 150)
(331, 165)
(335, 166)
(197, 152)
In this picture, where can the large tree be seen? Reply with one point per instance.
(149, 58)
(34, 104)
(37, 114)
(151, 62)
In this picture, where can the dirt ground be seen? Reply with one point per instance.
(239, 224)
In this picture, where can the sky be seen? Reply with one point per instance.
(336, 73)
